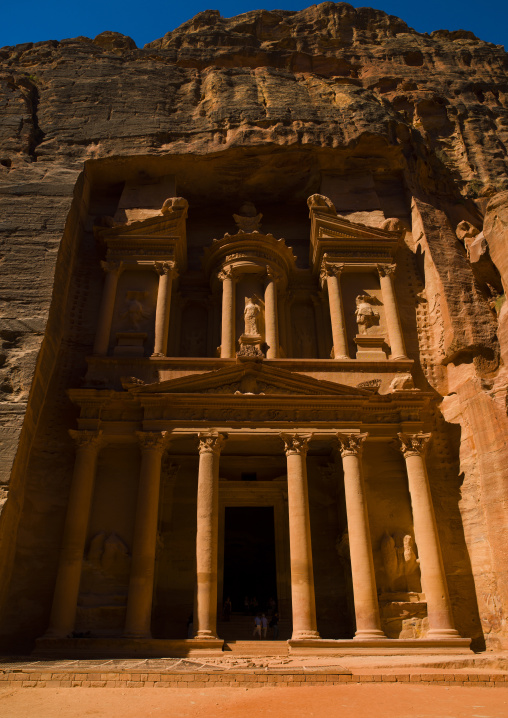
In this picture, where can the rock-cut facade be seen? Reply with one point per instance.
(254, 338)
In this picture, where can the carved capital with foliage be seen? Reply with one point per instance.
(111, 265)
(413, 444)
(86, 439)
(165, 268)
(351, 444)
(225, 273)
(296, 443)
(330, 269)
(211, 442)
(153, 440)
(386, 270)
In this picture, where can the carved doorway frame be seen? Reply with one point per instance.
(259, 493)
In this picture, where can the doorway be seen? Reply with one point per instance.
(249, 557)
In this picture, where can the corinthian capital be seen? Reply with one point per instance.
(153, 440)
(225, 273)
(211, 442)
(414, 444)
(111, 265)
(351, 444)
(386, 270)
(165, 268)
(296, 443)
(330, 269)
(86, 439)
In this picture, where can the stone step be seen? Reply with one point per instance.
(248, 649)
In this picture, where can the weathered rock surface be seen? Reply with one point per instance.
(265, 95)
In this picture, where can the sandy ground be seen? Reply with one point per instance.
(367, 701)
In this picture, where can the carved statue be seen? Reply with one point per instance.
(250, 314)
(402, 382)
(247, 219)
(366, 316)
(135, 312)
(400, 563)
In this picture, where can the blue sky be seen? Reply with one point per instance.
(33, 20)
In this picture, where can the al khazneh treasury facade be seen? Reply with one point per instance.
(259, 379)
(254, 338)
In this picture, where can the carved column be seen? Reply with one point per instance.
(65, 598)
(210, 444)
(332, 272)
(368, 623)
(139, 601)
(166, 272)
(227, 347)
(302, 574)
(386, 274)
(434, 585)
(101, 343)
(271, 324)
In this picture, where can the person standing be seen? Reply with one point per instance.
(227, 609)
(257, 627)
(264, 625)
(274, 625)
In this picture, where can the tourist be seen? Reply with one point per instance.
(228, 608)
(246, 605)
(257, 627)
(264, 624)
(253, 603)
(190, 626)
(274, 625)
(272, 605)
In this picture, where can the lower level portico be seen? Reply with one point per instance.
(140, 554)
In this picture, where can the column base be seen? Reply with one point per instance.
(442, 633)
(305, 635)
(157, 355)
(369, 635)
(400, 357)
(205, 636)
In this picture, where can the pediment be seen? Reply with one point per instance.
(248, 379)
(163, 226)
(329, 225)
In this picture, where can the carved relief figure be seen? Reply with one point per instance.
(366, 316)
(250, 314)
(248, 220)
(135, 312)
(402, 571)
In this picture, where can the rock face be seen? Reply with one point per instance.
(271, 108)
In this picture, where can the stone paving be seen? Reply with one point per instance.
(257, 672)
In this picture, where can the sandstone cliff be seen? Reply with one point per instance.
(261, 96)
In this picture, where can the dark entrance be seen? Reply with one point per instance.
(249, 556)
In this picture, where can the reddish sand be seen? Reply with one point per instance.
(367, 701)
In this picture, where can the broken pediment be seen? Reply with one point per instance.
(162, 237)
(347, 241)
(248, 379)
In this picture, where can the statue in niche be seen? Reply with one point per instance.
(305, 342)
(194, 344)
(366, 316)
(135, 313)
(250, 315)
(401, 567)
(248, 220)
